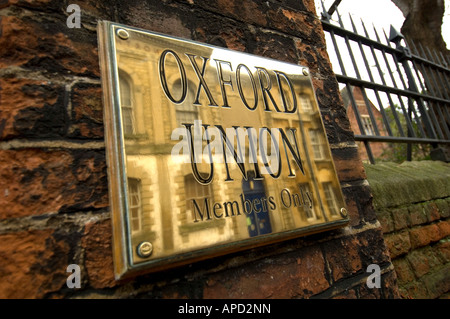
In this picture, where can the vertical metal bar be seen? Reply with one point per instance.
(407, 119)
(382, 111)
(434, 78)
(363, 91)
(413, 87)
(442, 81)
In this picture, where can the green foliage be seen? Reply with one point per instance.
(397, 152)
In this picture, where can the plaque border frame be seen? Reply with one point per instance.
(114, 144)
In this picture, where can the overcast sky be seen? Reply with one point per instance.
(382, 13)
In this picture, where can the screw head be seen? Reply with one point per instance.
(144, 249)
(344, 212)
(305, 72)
(123, 34)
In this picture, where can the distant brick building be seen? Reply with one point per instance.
(378, 149)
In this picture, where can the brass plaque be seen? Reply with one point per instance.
(209, 150)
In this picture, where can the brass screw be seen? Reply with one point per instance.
(123, 34)
(344, 212)
(144, 249)
(305, 72)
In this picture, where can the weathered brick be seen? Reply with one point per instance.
(348, 164)
(368, 293)
(414, 290)
(166, 19)
(444, 228)
(398, 243)
(31, 108)
(28, 43)
(401, 218)
(363, 199)
(33, 264)
(432, 211)
(423, 235)
(443, 250)
(418, 215)
(403, 270)
(386, 221)
(343, 257)
(275, 46)
(437, 282)
(37, 181)
(422, 261)
(87, 111)
(443, 207)
(97, 245)
(389, 286)
(353, 212)
(297, 275)
(372, 248)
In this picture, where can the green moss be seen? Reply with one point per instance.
(410, 182)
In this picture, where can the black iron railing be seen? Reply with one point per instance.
(398, 94)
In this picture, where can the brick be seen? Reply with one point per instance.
(31, 108)
(298, 275)
(275, 46)
(443, 250)
(166, 19)
(348, 164)
(368, 293)
(386, 221)
(36, 181)
(422, 261)
(33, 264)
(401, 218)
(403, 270)
(298, 24)
(97, 245)
(398, 243)
(432, 211)
(87, 111)
(444, 228)
(418, 215)
(30, 44)
(362, 197)
(372, 248)
(414, 290)
(443, 207)
(437, 282)
(389, 287)
(29, 3)
(343, 257)
(423, 235)
(353, 212)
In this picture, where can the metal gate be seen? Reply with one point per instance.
(403, 90)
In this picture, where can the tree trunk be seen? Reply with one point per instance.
(423, 23)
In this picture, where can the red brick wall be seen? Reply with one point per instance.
(416, 224)
(53, 188)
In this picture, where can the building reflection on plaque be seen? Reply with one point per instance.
(209, 150)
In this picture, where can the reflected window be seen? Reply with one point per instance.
(305, 103)
(317, 144)
(135, 204)
(330, 198)
(196, 191)
(367, 124)
(309, 205)
(126, 104)
(186, 112)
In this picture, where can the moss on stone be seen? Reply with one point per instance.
(395, 184)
